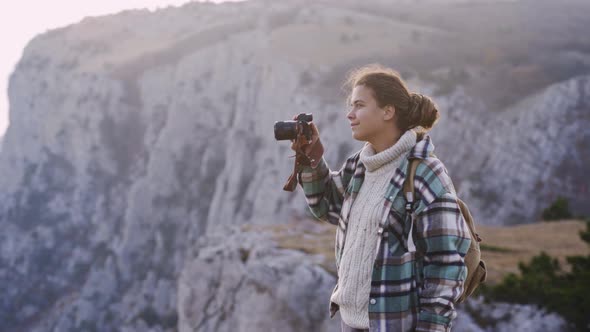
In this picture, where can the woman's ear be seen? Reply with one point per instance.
(388, 112)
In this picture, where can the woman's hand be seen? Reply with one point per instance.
(314, 149)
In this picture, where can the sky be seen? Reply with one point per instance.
(21, 20)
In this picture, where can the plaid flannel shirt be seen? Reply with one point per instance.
(410, 290)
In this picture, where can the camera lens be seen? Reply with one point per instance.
(285, 130)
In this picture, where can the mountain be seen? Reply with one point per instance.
(136, 136)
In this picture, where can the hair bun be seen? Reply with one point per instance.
(423, 111)
(415, 99)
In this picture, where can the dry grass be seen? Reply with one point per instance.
(335, 43)
(522, 242)
(310, 236)
(502, 247)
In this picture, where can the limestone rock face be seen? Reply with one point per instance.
(133, 135)
(243, 282)
(511, 165)
(500, 317)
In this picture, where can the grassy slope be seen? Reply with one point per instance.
(502, 247)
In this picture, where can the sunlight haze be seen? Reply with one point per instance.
(22, 20)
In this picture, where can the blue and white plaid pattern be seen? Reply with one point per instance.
(410, 290)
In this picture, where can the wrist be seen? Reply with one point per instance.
(316, 154)
(315, 162)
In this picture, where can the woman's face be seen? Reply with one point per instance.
(365, 116)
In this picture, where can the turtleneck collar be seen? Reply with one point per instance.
(374, 161)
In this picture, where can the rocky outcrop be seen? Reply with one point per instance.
(478, 315)
(241, 281)
(530, 153)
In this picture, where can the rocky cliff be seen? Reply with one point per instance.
(134, 135)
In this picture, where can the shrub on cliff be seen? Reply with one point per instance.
(558, 210)
(544, 283)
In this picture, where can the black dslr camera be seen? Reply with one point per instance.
(288, 130)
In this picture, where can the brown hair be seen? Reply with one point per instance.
(412, 109)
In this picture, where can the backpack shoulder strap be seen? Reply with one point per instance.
(409, 194)
(409, 183)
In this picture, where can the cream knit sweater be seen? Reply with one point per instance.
(356, 265)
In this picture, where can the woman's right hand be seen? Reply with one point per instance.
(314, 149)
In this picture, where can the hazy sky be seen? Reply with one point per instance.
(21, 20)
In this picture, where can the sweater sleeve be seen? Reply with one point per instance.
(443, 236)
(324, 189)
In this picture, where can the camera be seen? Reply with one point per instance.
(288, 130)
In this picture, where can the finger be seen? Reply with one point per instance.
(314, 129)
(315, 134)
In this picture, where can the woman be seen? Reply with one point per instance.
(389, 280)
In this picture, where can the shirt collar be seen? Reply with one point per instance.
(423, 148)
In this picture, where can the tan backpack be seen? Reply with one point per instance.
(476, 267)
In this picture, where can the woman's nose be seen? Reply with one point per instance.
(350, 114)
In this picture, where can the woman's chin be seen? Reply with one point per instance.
(356, 136)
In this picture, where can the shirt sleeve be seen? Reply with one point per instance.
(442, 235)
(324, 189)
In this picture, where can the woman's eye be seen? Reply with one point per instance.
(355, 106)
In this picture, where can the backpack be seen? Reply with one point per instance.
(476, 268)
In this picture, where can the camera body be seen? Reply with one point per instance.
(288, 130)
